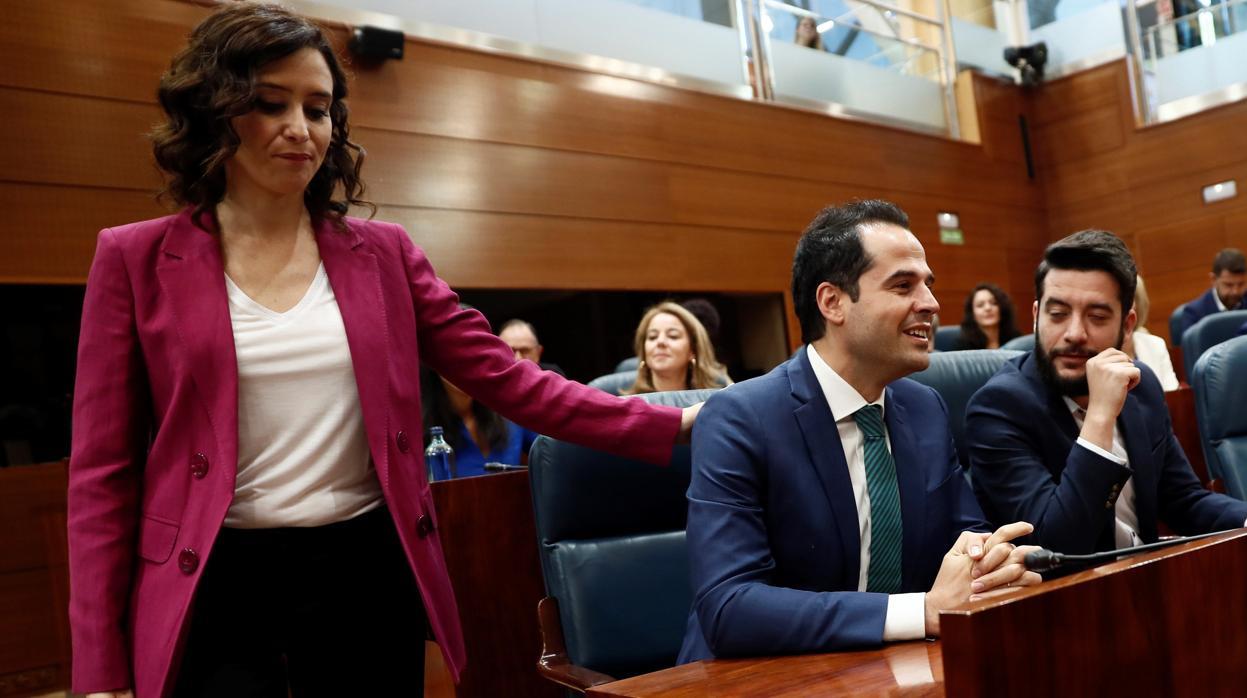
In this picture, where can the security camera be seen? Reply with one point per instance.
(1029, 60)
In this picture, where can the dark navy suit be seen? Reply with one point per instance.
(772, 527)
(1202, 307)
(1027, 465)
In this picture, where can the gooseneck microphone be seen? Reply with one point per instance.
(1043, 560)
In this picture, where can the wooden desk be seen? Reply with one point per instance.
(903, 669)
(1169, 622)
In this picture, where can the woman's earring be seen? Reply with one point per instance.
(692, 360)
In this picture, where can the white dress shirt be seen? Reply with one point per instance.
(1127, 531)
(906, 616)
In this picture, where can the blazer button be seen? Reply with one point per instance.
(199, 466)
(188, 560)
(424, 525)
(404, 444)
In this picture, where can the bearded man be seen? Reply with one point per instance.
(1076, 438)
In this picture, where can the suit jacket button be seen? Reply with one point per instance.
(424, 525)
(188, 560)
(199, 466)
(404, 444)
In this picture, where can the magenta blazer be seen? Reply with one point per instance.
(155, 426)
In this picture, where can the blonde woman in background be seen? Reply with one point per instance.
(1147, 347)
(675, 353)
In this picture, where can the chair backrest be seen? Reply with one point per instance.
(614, 383)
(1024, 342)
(628, 364)
(1218, 379)
(946, 337)
(1175, 326)
(956, 376)
(613, 552)
(1207, 333)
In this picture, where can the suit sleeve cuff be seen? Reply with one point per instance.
(1101, 452)
(906, 618)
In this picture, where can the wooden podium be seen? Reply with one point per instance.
(1170, 622)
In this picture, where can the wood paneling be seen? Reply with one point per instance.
(514, 173)
(1099, 170)
(34, 597)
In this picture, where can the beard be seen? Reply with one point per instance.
(1069, 387)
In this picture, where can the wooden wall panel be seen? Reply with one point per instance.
(1142, 183)
(514, 173)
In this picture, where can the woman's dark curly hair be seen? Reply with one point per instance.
(212, 81)
(972, 336)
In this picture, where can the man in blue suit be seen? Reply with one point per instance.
(1076, 438)
(1229, 281)
(827, 509)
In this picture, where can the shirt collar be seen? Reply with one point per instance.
(1073, 406)
(842, 398)
(1216, 297)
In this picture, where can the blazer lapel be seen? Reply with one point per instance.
(192, 278)
(826, 455)
(1134, 435)
(911, 480)
(356, 283)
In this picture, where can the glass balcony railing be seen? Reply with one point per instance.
(1192, 57)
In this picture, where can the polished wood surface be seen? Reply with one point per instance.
(34, 580)
(1116, 629)
(490, 542)
(1169, 622)
(902, 669)
(554, 664)
(515, 173)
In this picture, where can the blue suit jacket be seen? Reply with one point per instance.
(1028, 467)
(772, 527)
(1201, 307)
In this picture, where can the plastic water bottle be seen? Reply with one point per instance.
(439, 457)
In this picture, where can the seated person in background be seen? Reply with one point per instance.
(827, 509)
(1076, 438)
(807, 34)
(675, 353)
(1147, 347)
(478, 434)
(521, 336)
(987, 321)
(1229, 281)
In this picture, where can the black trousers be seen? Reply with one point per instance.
(306, 612)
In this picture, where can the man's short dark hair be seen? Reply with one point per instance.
(1091, 250)
(1231, 260)
(831, 250)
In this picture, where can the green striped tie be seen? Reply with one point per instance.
(884, 573)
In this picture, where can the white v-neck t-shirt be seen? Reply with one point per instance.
(303, 455)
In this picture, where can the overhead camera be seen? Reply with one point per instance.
(1029, 60)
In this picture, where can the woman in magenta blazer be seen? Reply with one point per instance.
(249, 511)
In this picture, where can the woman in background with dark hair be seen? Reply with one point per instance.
(478, 434)
(987, 320)
(249, 512)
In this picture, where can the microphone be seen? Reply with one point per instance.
(1043, 560)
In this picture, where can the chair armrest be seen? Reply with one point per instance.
(554, 664)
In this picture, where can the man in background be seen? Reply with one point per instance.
(521, 336)
(1229, 281)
